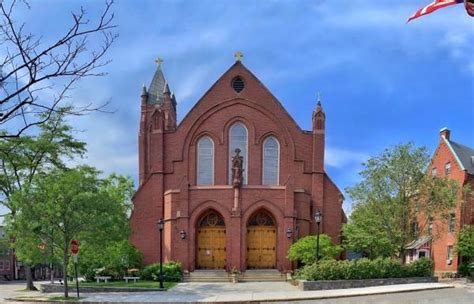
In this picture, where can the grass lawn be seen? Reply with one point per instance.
(131, 284)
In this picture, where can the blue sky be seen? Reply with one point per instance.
(382, 81)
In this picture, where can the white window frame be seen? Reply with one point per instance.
(447, 168)
(232, 153)
(452, 223)
(198, 161)
(278, 160)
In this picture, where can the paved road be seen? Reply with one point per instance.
(220, 292)
(441, 296)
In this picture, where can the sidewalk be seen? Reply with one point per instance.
(248, 292)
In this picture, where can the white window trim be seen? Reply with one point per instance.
(278, 160)
(231, 153)
(197, 160)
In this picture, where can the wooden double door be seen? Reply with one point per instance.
(261, 242)
(211, 242)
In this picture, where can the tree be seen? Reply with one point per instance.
(465, 243)
(69, 204)
(395, 202)
(114, 258)
(36, 75)
(304, 250)
(363, 234)
(22, 158)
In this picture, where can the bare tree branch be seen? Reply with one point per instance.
(35, 79)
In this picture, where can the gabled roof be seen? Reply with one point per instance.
(463, 154)
(418, 243)
(156, 88)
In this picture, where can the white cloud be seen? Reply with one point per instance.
(336, 157)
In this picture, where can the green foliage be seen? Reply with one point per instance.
(363, 234)
(465, 269)
(394, 192)
(172, 272)
(465, 242)
(68, 204)
(114, 259)
(448, 275)
(366, 269)
(304, 250)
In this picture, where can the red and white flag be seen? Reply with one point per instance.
(437, 4)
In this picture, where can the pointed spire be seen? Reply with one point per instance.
(166, 90)
(144, 92)
(173, 99)
(157, 85)
(319, 107)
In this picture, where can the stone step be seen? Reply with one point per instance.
(258, 275)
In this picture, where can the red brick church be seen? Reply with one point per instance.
(237, 181)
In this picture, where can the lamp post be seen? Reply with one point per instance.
(317, 217)
(161, 226)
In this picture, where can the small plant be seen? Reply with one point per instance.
(234, 270)
(448, 275)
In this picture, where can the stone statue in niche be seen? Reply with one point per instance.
(237, 169)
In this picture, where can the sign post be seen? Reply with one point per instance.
(75, 251)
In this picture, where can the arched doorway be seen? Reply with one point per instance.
(261, 241)
(211, 249)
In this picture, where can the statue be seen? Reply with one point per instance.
(237, 168)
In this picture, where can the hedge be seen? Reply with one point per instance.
(365, 269)
(172, 272)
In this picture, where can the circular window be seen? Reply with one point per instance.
(238, 84)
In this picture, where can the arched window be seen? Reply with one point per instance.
(205, 161)
(238, 139)
(271, 161)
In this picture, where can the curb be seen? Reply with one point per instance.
(322, 297)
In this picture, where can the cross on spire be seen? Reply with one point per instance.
(238, 55)
(158, 61)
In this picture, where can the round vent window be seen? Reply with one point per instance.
(238, 84)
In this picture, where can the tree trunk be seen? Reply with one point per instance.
(65, 260)
(51, 272)
(29, 278)
(402, 255)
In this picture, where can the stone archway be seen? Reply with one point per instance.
(261, 241)
(211, 241)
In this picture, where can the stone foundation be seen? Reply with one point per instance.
(344, 284)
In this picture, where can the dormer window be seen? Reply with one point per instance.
(447, 169)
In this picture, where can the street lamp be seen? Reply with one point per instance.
(161, 226)
(317, 217)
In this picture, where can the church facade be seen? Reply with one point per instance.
(237, 181)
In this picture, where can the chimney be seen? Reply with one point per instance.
(445, 132)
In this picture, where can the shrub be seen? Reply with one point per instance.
(423, 267)
(365, 269)
(112, 260)
(304, 250)
(172, 272)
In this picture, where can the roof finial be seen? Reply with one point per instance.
(158, 61)
(319, 99)
(238, 56)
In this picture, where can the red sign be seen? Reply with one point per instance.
(74, 247)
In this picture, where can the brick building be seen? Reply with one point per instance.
(186, 177)
(454, 161)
